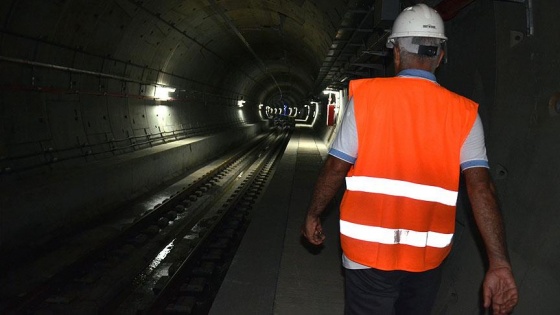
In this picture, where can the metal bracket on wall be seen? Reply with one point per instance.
(529, 14)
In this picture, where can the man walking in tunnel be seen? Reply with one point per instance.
(401, 148)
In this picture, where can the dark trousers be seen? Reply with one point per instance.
(378, 292)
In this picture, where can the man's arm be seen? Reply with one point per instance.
(499, 289)
(329, 181)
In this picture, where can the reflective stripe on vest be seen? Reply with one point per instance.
(401, 189)
(394, 236)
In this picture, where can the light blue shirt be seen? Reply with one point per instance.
(345, 144)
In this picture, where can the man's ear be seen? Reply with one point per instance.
(440, 58)
(397, 58)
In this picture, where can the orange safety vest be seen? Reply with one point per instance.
(398, 211)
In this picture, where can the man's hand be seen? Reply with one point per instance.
(312, 230)
(499, 290)
(329, 181)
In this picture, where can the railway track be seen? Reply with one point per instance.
(173, 258)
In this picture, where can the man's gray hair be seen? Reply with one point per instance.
(424, 49)
(422, 46)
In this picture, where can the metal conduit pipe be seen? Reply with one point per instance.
(106, 75)
(70, 69)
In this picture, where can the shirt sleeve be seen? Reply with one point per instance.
(473, 152)
(345, 144)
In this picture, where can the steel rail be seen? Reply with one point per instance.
(236, 205)
(45, 291)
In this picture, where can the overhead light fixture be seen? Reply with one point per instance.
(162, 93)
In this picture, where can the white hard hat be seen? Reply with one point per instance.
(417, 21)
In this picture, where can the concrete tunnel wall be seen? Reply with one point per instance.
(69, 137)
(510, 66)
(78, 108)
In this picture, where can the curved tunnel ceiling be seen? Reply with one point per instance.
(266, 51)
(263, 50)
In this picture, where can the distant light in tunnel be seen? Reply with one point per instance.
(241, 101)
(306, 110)
(315, 113)
(268, 111)
(241, 115)
(332, 93)
(292, 111)
(260, 111)
(162, 93)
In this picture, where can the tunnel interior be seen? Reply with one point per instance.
(95, 93)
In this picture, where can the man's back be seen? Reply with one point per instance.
(402, 189)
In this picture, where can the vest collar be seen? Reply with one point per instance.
(417, 73)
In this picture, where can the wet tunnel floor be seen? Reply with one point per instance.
(274, 272)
